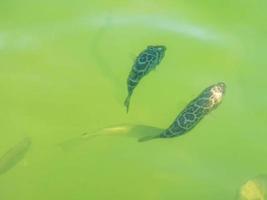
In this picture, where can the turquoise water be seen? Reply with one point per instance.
(63, 77)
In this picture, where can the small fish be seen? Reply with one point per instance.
(191, 115)
(146, 61)
(128, 130)
(14, 155)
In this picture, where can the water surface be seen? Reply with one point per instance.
(63, 73)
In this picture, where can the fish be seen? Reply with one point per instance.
(14, 155)
(254, 189)
(194, 112)
(127, 130)
(145, 62)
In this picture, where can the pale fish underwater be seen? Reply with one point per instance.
(146, 61)
(191, 115)
(14, 155)
(129, 130)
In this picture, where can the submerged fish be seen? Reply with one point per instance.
(254, 189)
(190, 116)
(144, 63)
(128, 130)
(14, 155)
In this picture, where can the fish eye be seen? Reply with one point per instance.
(221, 85)
(161, 48)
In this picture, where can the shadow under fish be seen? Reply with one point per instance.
(128, 130)
(14, 155)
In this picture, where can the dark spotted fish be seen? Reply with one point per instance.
(14, 155)
(207, 101)
(144, 63)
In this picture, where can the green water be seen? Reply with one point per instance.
(63, 70)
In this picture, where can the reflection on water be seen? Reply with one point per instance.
(162, 23)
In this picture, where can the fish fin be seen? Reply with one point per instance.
(127, 102)
(147, 138)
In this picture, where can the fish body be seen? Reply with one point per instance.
(191, 115)
(14, 155)
(128, 130)
(146, 61)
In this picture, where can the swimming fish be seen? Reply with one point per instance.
(128, 130)
(146, 61)
(190, 116)
(14, 155)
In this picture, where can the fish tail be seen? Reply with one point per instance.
(127, 102)
(147, 138)
(75, 142)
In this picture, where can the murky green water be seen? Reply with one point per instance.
(63, 70)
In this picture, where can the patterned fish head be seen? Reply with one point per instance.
(218, 91)
(212, 96)
(158, 50)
